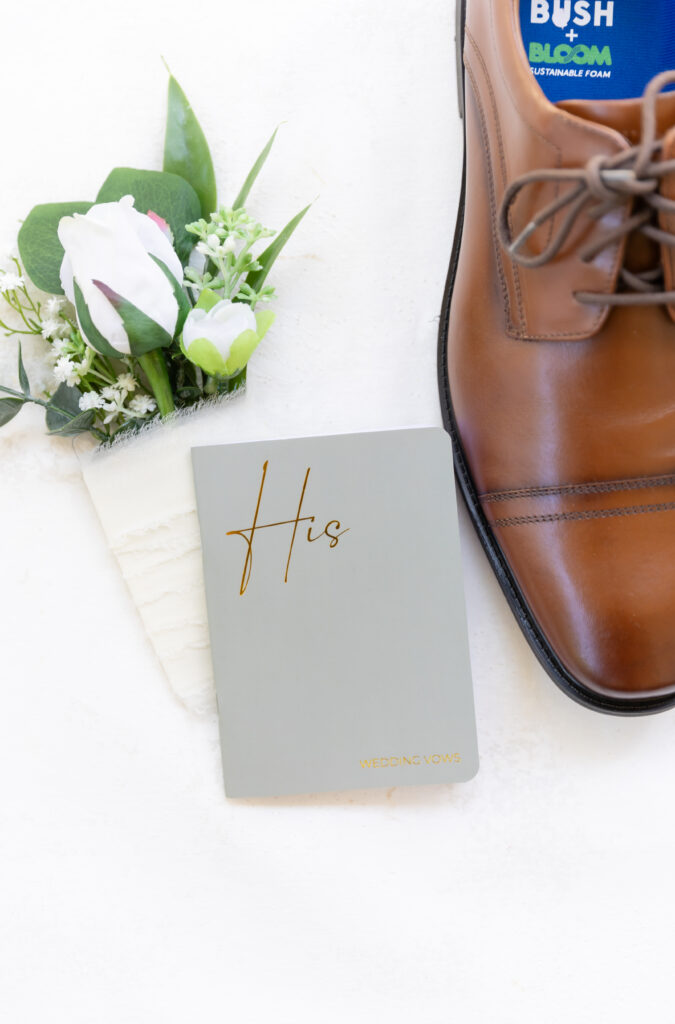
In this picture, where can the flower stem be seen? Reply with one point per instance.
(153, 365)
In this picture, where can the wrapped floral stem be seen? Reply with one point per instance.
(152, 299)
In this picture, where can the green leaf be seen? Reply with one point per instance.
(207, 300)
(186, 151)
(267, 259)
(264, 319)
(169, 195)
(67, 400)
(241, 351)
(145, 334)
(39, 247)
(64, 416)
(23, 376)
(9, 407)
(89, 328)
(181, 298)
(204, 354)
(245, 345)
(80, 424)
(255, 171)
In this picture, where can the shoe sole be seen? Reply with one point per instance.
(624, 707)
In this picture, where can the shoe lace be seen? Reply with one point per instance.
(602, 185)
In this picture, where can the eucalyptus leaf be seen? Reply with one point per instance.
(130, 426)
(169, 195)
(23, 376)
(9, 407)
(80, 424)
(145, 334)
(186, 151)
(39, 246)
(267, 259)
(253, 174)
(64, 416)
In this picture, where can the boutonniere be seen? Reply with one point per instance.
(151, 298)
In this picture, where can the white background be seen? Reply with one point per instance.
(130, 889)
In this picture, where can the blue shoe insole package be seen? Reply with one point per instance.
(597, 49)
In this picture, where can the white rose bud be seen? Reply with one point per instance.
(222, 338)
(109, 264)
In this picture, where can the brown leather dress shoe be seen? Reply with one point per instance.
(557, 349)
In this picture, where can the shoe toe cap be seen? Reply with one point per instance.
(601, 591)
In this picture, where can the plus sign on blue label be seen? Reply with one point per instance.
(597, 49)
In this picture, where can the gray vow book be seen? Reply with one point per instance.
(336, 612)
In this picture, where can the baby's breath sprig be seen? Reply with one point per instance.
(15, 293)
(91, 392)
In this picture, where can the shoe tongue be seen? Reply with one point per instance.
(625, 116)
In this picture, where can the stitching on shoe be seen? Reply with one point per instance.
(608, 487)
(566, 119)
(492, 193)
(573, 517)
(515, 269)
(513, 330)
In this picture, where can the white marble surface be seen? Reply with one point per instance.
(130, 889)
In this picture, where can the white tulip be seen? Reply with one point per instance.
(112, 244)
